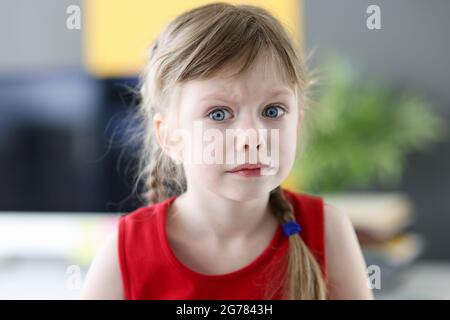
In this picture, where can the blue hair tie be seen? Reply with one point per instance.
(291, 227)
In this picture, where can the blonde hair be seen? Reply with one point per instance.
(198, 44)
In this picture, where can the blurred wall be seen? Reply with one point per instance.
(411, 50)
(33, 36)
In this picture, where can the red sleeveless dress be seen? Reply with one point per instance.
(150, 269)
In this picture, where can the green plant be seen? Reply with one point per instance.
(359, 133)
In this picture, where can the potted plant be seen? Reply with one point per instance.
(358, 134)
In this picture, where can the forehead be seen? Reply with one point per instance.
(262, 77)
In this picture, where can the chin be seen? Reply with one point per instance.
(247, 191)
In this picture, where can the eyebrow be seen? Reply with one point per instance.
(270, 93)
(279, 91)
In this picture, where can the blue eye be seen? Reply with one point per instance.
(273, 111)
(218, 114)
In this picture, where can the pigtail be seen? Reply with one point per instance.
(303, 278)
(154, 187)
(165, 177)
(161, 176)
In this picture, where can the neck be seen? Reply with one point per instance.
(220, 217)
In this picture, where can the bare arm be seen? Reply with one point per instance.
(103, 280)
(347, 270)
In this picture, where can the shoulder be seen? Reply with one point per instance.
(141, 214)
(309, 213)
(136, 224)
(330, 229)
(305, 202)
(309, 210)
(139, 226)
(107, 277)
(300, 196)
(337, 223)
(347, 273)
(104, 280)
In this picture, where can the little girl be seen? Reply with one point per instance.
(225, 229)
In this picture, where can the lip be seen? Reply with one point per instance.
(248, 170)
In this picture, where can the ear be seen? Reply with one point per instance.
(164, 140)
(160, 129)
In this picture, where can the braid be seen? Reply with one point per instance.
(164, 178)
(304, 277)
(281, 208)
(153, 185)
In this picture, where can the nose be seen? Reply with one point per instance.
(250, 135)
(249, 143)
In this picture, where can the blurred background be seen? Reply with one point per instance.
(376, 141)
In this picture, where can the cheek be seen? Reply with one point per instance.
(203, 147)
(288, 143)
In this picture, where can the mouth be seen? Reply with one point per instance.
(249, 170)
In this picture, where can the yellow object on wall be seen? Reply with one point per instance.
(116, 33)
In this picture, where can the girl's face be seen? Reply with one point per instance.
(226, 122)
